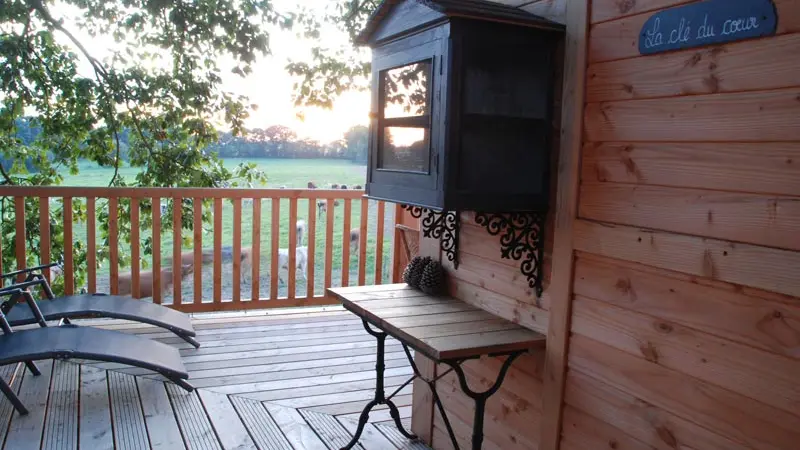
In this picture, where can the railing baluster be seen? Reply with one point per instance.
(69, 269)
(329, 243)
(292, 248)
(136, 290)
(91, 241)
(113, 244)
(237, 250)
(255, 276)
(348, 211)
(218, 250)
(275, 231)
(177, 266)
(44, 234)
(311, 248)
(379, 243)
(362, 243)
(19, 243)
(156, 238)
(197, 211)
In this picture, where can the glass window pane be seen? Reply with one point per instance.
(406, 90)
(406, 149)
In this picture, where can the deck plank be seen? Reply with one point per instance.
(94, 416)
(371, 438)
(333, 433)
(262, 427)
(130, 430)
(295, 428)
(61, 421)
(224, 418)
(162, 428)
(25, 432)
(391, 433)
(362, 396)
(193, 420)
(12, 374)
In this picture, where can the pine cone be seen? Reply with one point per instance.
(413, 272)
(432, 280)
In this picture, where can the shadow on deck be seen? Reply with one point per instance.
(292, 379)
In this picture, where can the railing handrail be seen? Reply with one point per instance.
(177, 192)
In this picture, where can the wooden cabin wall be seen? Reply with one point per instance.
(686, 312)
(487, 280)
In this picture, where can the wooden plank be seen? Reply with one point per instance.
(568, 176)
(130, 430)
(237, 251)
(348, 212)
(739, 117)
(295, 428)
(156, 236)
(135, 246)
(292, 282)
(762, 376)
(355, 407)
(619, 39)
(312, 247)
(169, 192)
(325, 388)
(194, 423)
(69, 256)
(604, 10)
(469, 345)
(555, 10)
(20, 235)
(371, 437)
(265, 432)
(391, 433)
(379, 237)
(44, 234)
(255, 276)
(721, 309)
(641, 420)
(750, 265)
(94, 423)
(113, 245)
(770, 221)
(329, 244)
(13, 375)
(197, 265)
(327, 428)
(217, 250)
(162, 428)
(61, 422)
(91, 242)
(362, 243)
(720, 410)
(25, 432)
(275, 236)
(230, 429)
(361, 396)
(765, 167)
(587, 432)
(733, 68)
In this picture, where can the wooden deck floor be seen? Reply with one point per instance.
(279, 380)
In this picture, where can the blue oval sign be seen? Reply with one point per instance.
(706, 23)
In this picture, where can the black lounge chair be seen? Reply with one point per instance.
(87, 343)
(94, 305)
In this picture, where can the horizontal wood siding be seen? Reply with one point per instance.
(685, 329)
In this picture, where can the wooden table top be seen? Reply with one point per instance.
(442, 328)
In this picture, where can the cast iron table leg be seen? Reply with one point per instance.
(380, 394)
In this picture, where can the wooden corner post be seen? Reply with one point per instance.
(575, 58)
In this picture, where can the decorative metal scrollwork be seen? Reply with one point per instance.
(440, 225)
(522, 238)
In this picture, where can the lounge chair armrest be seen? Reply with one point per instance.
(15, 293)
(12, 289)
(28, 270)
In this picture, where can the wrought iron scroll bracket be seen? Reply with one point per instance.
(443, 226)
(521, 238)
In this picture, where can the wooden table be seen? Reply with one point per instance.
(446, 330)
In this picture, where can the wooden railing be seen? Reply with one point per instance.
(218, 236)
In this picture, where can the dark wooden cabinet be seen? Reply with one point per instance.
(461, 105)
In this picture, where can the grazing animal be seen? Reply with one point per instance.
(344, 186)
(334, 186)
(358, 187)
(300, 254)
(355, 237)
(311, 185)
(146, 281)
(322, 207)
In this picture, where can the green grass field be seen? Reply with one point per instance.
(280, 173)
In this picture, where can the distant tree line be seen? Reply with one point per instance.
(277, 141)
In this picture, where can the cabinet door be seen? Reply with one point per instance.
(404, 137)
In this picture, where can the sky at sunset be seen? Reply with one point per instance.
(270, 86)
